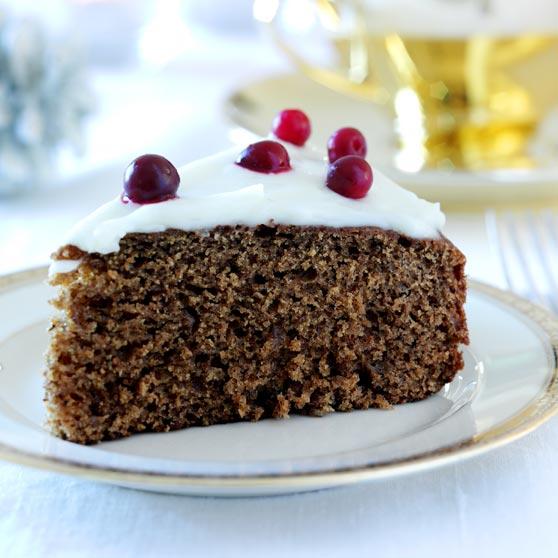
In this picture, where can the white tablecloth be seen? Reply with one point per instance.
(501, 504)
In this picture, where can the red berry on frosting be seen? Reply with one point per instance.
(292, 125)
(346, 141)
(268, 157)
(350, 176)
(150, 179)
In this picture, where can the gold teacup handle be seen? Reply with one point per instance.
(355, 77)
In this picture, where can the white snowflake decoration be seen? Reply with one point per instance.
(44, 100)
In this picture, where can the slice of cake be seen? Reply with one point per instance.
(269, 283)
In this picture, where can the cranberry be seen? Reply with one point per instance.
(150, 179)
(350, 176)
(346, 141)
(292, 125)
(266, 157)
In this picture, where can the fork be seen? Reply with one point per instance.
(527, 244)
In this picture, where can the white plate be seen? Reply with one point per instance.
(508, 387)
(254, 105)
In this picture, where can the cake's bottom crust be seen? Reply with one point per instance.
(181, 328)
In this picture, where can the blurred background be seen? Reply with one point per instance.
(458, 100)
(141, 76)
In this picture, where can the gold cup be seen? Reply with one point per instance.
(468, 81)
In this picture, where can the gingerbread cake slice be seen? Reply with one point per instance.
(269, 283)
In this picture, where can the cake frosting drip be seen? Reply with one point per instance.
(214, 191)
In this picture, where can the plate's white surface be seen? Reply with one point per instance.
(253, 107)
(506, 389)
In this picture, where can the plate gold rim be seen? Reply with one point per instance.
(542, 408)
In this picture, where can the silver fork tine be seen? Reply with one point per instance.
(550, 221)
(513, 225)
(495, 238)
(516, 235)
(544, 257)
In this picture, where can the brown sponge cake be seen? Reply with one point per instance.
(183, 328)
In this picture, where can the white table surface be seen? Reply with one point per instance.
(501, 504)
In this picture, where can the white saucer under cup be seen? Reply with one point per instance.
(253, 106)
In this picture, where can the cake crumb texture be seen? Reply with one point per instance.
(182, 328)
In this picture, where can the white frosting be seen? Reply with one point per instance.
(214, 191)
(62, 266)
